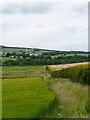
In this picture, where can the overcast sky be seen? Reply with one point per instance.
(60, 24)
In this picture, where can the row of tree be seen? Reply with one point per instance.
(46, 60)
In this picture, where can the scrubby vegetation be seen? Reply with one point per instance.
(78, 73)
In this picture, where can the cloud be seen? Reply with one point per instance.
(27, 8)
(81, 8)
(46, 25)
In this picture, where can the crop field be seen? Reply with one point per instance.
(31, 91)
(59, 67)
(77, 72)
(24, 93)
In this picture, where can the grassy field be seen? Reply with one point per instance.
(29, 91)
(10, 68)
(6, 58)
(23, 71)
(25, 96)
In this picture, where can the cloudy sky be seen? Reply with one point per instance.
(60, 24)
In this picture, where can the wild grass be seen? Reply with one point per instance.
(72, 99)
(25, 97)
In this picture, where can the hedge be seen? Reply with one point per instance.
(79, 73)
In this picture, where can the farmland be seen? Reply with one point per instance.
(33, 56)
(39, 83)
(29, 92)
(25, 96)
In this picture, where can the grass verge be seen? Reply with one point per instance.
(72, 99)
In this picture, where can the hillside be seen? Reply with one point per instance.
(10, 56)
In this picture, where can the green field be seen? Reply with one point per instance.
(25, 96)
(6, 58)
(10, 68)
(29, 92)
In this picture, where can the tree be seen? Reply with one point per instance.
(8, 55)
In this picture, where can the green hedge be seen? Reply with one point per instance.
(78, 73)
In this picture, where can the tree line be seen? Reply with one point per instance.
(46, 60)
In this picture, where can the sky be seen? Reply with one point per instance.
(46, 24)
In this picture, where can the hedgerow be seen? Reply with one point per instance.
(78, 73)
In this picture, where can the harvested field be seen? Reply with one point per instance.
(58, 67)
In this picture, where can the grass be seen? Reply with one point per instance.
(21, 67)
(72, 99)
(25, 97)
(23, 71)
(27, 93)
(7, 58)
